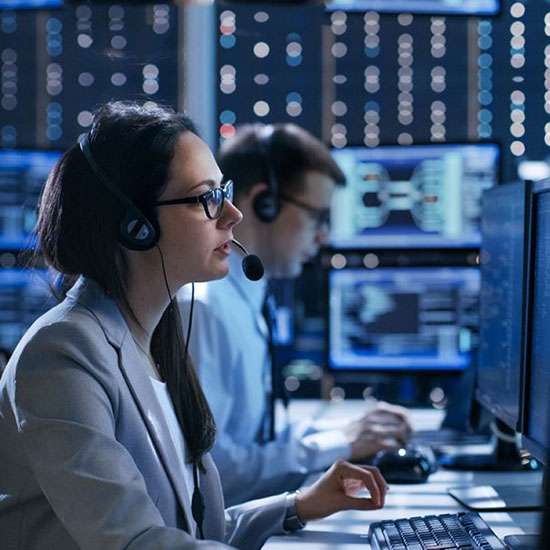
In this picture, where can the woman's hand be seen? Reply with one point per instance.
(334, 491)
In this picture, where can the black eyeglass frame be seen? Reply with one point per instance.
(225, 191)
(322, 215)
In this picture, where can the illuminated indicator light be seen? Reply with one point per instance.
(261, 16)
(261, 108)
(294, 109)
(339, 108)
(227, 130)
(517, 148)
(338, 261)
(518, 97)
(261, 79)
(371, 261)
(261, 50)
(84, 118)
(228, 117)
(517, 9)
(118, 79)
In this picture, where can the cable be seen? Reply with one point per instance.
(164, 272)
(197, 500)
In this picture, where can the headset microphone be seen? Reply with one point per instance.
(252, 265)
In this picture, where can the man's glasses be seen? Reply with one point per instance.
(212, 201)
(321, 216)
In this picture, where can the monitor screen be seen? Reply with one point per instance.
(24, 294)
(419, 196)
(536, 421)
(22, 176)
(418, 318)
(12, 4)
(501, 301)
(465, 7)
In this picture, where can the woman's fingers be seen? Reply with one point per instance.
(370, 477)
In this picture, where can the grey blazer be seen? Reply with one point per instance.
(86, 458)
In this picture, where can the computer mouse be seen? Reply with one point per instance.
(410, 464)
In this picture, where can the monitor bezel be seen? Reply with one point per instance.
(513, 423)
(530, 445)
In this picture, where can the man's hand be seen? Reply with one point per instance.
(335, 489)
(384, 427)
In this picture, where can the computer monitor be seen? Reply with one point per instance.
(15, 4)
(464, 7)
(536, 410)
(501, 300)
(414, 196)
(402, 319)
(505, 225)
(24, 294)
(22, 176)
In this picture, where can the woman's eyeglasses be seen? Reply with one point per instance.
(212, 201)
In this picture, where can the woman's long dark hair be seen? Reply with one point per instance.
(78, 231)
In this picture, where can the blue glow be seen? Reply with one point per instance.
(372, 52)
(227, 117)
(372, 106)
(29, 3)
(227, 41)
(294, 96)
(485, 60)
(472, 7)
(294, 61)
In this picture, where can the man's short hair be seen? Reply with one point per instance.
(291, 151)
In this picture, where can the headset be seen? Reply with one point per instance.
(266, 204)
(136, 231)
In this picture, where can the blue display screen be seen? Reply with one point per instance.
(417, 196)
(501, 301)
(538, 413)
(402, 318)
(22, 176)
(465, 7)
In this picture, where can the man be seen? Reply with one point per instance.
(284, 179)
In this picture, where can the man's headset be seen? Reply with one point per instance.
(266, 204)
(136, 231)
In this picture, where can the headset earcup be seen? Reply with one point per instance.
(266, 206)
(136, 232)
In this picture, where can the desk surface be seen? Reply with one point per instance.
(348, 530)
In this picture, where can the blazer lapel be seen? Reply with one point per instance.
(144, 394)
(89, 294)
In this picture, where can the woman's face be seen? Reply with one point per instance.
(194, 247)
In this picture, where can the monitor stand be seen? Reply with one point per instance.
(496, 498)
(496, 456)
(499, 498)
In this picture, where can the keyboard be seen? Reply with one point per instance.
(464, 531)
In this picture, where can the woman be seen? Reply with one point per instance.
(105, 433)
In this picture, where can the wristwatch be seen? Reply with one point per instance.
(292, 522)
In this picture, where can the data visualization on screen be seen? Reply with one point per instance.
(465, 7)
(22, 175)
(501, 300)
(403, 318)
(412, 196)
(537, 398)
(24, 294)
